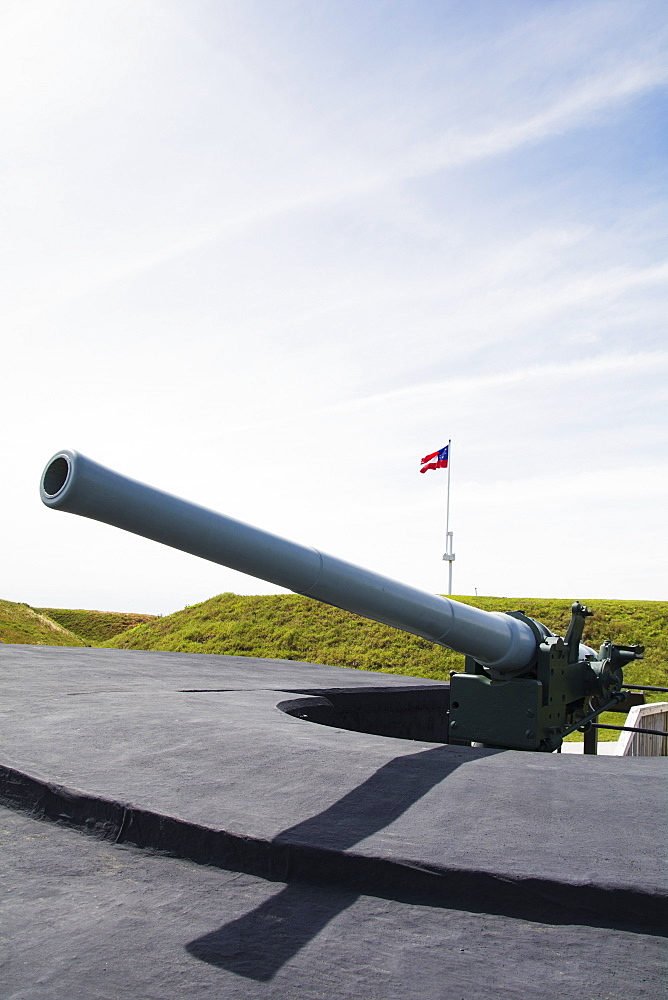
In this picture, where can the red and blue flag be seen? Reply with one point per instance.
(441, 460)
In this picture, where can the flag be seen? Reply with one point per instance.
(441, 462)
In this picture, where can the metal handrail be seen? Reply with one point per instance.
(629, 729)
(644, 687)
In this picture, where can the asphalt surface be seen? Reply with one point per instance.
(329, 862)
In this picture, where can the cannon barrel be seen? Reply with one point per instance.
(76, 484)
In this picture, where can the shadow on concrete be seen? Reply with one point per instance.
(258, 944)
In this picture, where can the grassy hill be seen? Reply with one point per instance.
(290, 627)
(22, 624)
(95, 627)
(296, 628)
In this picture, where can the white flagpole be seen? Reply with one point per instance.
(448, 555)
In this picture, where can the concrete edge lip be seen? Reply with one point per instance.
(287, 859)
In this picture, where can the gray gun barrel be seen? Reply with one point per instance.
(76, 484)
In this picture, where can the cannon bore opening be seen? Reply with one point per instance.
(55, 476)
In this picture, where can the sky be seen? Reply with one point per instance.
(267, 254)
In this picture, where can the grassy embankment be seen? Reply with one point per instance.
(19, 623)
(95, 627)
(289, 627)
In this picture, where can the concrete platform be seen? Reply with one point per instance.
(524, 859)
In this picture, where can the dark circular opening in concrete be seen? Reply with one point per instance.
(55, 476)
(407, 713)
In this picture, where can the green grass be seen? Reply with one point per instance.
(95, 627)
(289, 627)
(22, 624)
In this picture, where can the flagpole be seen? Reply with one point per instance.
(448, 555)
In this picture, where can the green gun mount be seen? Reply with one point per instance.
(565, 688)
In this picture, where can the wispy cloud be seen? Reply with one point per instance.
(471, 387)
(358, 176)
(582, 105)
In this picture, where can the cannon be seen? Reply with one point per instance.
(523, 687)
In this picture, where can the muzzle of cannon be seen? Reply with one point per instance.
(523, 687)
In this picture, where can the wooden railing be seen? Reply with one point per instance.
(653, 716)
